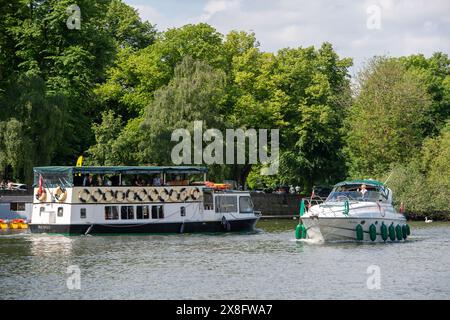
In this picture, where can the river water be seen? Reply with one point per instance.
(267, 264)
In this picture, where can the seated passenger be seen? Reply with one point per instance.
(88, 181)
(157, 181)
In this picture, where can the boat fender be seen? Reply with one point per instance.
(408, 230)
(383, 231)
(373, 232)
(182, 228)
(404, 232)
(298, 231)
(359, 233)
(84, 195)
(398, 232)
(391, 232)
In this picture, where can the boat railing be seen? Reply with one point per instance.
(317, 200)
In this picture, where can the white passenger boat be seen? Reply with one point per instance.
(359, 210)
(91, 200)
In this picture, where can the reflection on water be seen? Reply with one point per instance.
(267, 264)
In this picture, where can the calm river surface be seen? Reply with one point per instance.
(268, 264)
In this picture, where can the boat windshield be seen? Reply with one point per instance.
(356, 192)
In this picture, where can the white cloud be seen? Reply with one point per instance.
(214, 6)
(407, 26)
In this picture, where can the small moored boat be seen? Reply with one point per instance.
(359, 210)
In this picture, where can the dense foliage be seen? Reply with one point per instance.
(116, 88)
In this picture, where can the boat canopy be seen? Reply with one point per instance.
(362, 181)
(63, 175)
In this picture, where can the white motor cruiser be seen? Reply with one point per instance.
(359, 210)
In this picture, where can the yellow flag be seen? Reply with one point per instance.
(80, 161)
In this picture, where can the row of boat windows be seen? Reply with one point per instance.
(142, 212)
(127, 212)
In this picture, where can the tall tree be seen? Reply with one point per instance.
(387, 122)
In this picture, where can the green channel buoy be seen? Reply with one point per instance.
(359, 232)
(373, 232)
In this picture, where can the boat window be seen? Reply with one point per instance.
(183, 211)
(208, 202)
(17, 206)
(126, 212)
(352, 192)
(60, 211)
(226, 204)
(83, 213)
(245, 205)
(157, 212)
(142, 212)
(111, 213)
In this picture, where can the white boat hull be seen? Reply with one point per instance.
(344, 229)
(329, 222)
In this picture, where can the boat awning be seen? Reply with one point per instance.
(362, 181)
(61, 175)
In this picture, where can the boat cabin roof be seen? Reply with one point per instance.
(64, 174)
(119, 169)
(362, 181)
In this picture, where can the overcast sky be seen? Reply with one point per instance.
(356, 28)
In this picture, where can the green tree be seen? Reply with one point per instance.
(435, 74)
(136, 75)
(102, 153)
(192, 95)
(126, 27)
(387, 121)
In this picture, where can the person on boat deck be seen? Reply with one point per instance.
(107, 182)
(88, 181)
(157, 181)
(363, 190)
